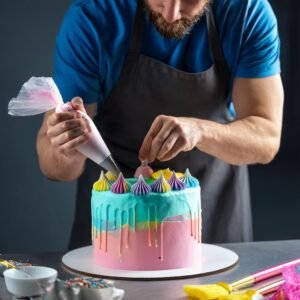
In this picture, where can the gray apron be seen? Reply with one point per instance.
(146, 89)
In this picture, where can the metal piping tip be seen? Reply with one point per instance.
(109, 164)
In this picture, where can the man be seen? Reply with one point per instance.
(180, 83)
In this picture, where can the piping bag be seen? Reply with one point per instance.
(39, 95)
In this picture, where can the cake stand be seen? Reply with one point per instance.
(213, 259)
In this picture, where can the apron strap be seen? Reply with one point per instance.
(136, 38)
(213, 36)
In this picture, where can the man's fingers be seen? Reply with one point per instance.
(159, 140)
(77, 104)
(168, 136)
(56, 118)
(69, 147)
(153, 131)
(167, 145)
(65, 126)
(177, 148)
(69, 135)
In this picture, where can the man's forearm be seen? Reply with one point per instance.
(246, 141)
(55, 165)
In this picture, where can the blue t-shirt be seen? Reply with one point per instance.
(94, 40)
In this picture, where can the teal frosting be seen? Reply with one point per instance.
(111, 210)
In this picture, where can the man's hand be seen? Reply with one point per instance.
(254, 137)
(58, 138)
(168, 136)
(67, 130)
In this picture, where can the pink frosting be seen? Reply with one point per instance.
(157, 249)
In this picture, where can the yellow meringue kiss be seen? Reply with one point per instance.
(167, 173)
(102, 184)
(111, 176)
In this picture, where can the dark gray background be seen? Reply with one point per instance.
(36, 214)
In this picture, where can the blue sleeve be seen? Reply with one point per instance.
(260, 49)
(76, 67)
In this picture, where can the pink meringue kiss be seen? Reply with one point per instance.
(143, 170)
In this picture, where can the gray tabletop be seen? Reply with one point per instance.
(252, 257)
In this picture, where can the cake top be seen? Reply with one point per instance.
(162, 181)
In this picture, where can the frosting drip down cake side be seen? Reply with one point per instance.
(147, 224)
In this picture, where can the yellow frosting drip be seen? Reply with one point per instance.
(101, 185)
(110, 176)
(167, 173)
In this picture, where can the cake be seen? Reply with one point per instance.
(147, 223)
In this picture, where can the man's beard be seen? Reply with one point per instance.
(178, 29)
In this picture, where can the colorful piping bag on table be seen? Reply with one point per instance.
(214, 291)
(254, 294)
(290, 289)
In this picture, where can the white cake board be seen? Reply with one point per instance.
(213, 259)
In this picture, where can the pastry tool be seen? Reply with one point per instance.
(11, 264)
(213, 291)
(254, 294)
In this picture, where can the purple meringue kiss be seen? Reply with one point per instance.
(120, 186)
(175, 183)
(161, 185)
(140, 187)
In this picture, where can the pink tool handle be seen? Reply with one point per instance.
(272, 287)
(273, 271)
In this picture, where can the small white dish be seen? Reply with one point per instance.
(29, 281)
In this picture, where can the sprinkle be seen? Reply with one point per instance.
(102, 184)
(161, 185)
(176, 184)
(189, 180)
(120, 186)
(141, 187)
(88, 282)
(14, 264)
